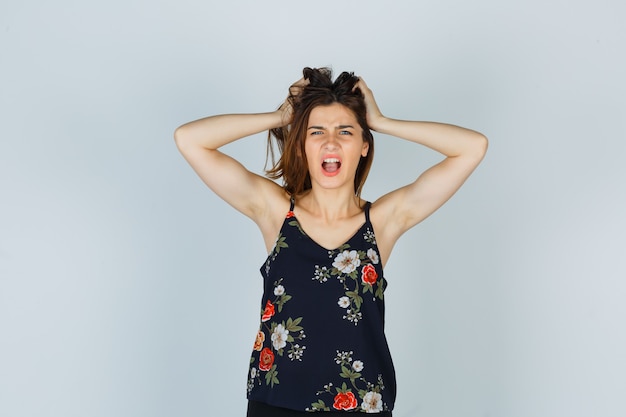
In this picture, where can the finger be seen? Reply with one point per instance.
(296, 88)
(360, 84)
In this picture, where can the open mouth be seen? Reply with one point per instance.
(331, 165)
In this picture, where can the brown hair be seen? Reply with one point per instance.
(320, 91)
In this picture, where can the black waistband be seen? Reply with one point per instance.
(258, 409)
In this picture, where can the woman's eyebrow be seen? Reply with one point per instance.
(338, 127)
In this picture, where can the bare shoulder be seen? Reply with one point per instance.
(385, 219)
(270, 219)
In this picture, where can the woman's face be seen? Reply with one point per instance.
(334, 146)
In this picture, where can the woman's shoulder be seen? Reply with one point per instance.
(276, 207)
(278, 203)
(382, 207)
(384, 220)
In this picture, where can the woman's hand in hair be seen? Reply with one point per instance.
(296, 88)
(286, 112)
(374, 115)
(286, 109)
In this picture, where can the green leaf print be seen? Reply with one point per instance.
(319, 406)
(350, 374)
(292, 325)
(281, 301)
(271, 377)
(379, 290)
(280, 243)
(296, 224)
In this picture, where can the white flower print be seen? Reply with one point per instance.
(372, 402)
(253, 373)
(343, 357)
(347, 261)
(371, 253)
(344, 302)
(353, 317)
(380, 382)
(321, 273)
(296, 352)
(279, 337)
(280, 290)
(369, 392)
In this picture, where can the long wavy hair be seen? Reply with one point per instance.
(320, 91)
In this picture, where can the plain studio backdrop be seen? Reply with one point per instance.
(128, 289)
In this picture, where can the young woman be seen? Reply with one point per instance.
(321, 345)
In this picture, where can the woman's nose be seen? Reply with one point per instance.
(331, 141)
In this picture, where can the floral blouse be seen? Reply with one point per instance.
(321, 344)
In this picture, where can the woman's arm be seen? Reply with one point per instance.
(463, 150)
(199, 142)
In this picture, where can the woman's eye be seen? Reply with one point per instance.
(345, 132)
(316, 132)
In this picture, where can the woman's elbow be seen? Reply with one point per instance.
(180, 136)
(480, 144)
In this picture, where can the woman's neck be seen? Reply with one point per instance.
(330, 205)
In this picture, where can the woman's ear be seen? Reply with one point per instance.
(365, 149)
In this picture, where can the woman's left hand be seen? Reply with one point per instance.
(374, 115)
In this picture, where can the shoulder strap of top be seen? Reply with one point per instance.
(366, 209)
(293, 204)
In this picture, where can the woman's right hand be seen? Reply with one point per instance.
(286, 109)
